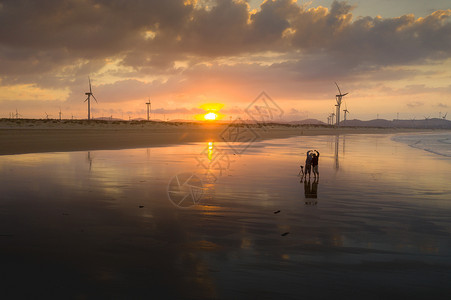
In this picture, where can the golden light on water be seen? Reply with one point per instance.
(210, 151)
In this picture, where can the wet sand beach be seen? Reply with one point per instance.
(111, 223)
(35, 136)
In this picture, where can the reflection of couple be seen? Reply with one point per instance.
(311, 190)
(311, 162)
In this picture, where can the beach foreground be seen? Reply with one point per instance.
(128, 224)
(35, 136)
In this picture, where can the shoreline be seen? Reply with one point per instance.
(22, 137)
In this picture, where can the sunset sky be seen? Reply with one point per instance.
(391, 56)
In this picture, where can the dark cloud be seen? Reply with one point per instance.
(215, 31)
(41, 37)
(57, 43)
(269, 24)
(396, 41)
(320, 28)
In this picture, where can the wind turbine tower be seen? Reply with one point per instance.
(346, 111)
(339, 98)
(149, 108)
(89, 94)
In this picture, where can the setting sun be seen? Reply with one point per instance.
(210, 116)
(211, 112)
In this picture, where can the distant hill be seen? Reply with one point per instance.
(307, 122)
(434, 123)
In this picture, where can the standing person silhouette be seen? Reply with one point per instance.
(308, 164)
(315, 163)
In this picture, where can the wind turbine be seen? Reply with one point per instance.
(89, 94)
(339, 98)
(444, 116)
(346, 111)
(60, 114)
(47, 115)
(17, 115)
(149, 108)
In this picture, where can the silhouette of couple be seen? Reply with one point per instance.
(310, 189)
(311, 164)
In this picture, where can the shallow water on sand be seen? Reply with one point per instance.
(197, 221)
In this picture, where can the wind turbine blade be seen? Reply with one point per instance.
(86, 99)
(338, 88)
(345, 94)
(94, 98)
(90, 89)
